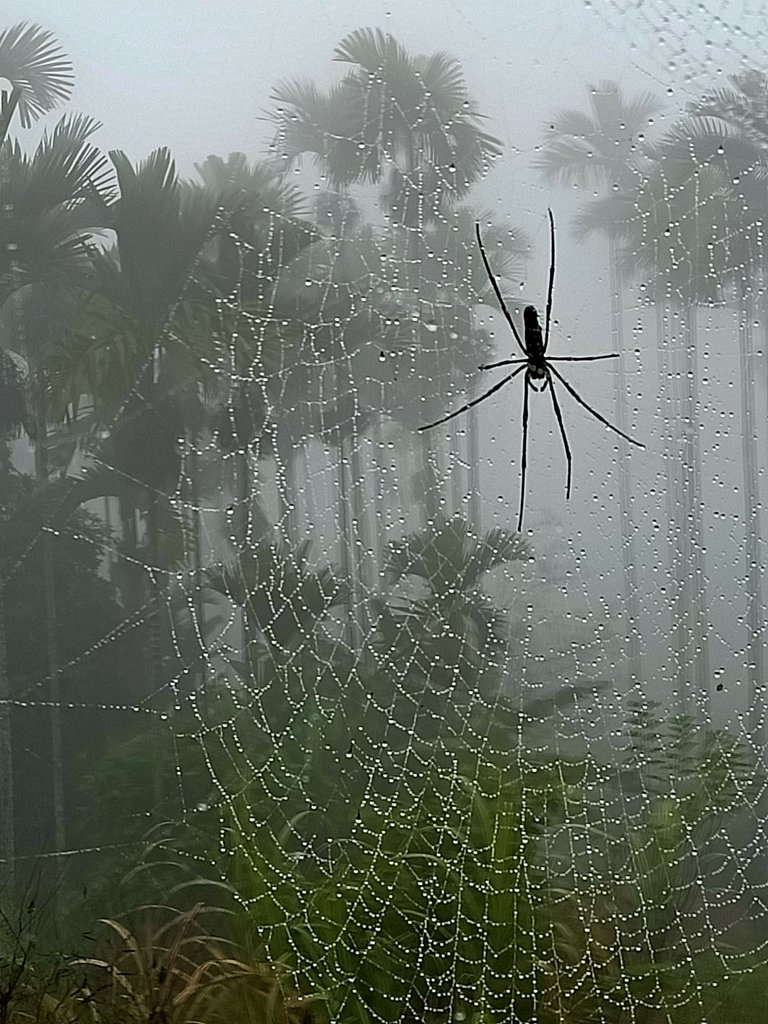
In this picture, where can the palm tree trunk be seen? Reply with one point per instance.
(671, 415)
(697, 655)
(359, 536)
(7, 818)
(241, 535)
(287, 491)
(753, 584)
(688, 600)
(427, 483)
(455, 467)
(108, 525)
(310, 510)
(197, 557)
(8, 105)
(381, 511)
(473, 456)
(156, 648)
(51, 624)
(628, 549)
(345, 541)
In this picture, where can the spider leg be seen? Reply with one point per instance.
(551, 278)
(475, 401)
(589, 408)
(525, 455)
(552, 358)
(496, 288)
(503, 362)
(580, 359)
(561, 424)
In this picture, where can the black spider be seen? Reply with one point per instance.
(537, 366)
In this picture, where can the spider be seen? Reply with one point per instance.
(537, 366)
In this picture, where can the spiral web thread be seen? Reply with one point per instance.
(441, 799)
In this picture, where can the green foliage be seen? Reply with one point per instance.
(39, 72)
(157, 963)
(284, 599)
(453, 635)
(45, 232)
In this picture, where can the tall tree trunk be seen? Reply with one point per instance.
(456, 470)
(692, 553)
(310, 510)
(360, 536)
(287, 491)
(756, 624)
(626, 522)
(7, 817)
(9, 101)
(671, 415)
(473, 457)
(51, 623)
(345, 543)
(197, 559)
(241, 536)
(381, 486)
(156, 645)
(427, 477)
(688, 598)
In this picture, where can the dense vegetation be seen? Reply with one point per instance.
(310, 776)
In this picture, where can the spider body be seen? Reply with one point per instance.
(534, 348)
(538, 368)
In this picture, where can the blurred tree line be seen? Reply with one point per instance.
(339, 741)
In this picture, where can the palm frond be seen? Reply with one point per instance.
(589, 149)
(450, 557)
(36, 67)
(444, 79)
(284, 596)
(374, 50)
(161, 233)
(67, 167)
(48, 199)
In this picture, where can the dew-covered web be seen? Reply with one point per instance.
(449, 770)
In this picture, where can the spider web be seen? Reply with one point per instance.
(447, 770)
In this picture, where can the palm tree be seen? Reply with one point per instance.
(453, 283)
(40, 76)
(607, 148)
(734, 125)
(143, 353)
(39, 72)
(404, 123)
(693, 225)
(244, 265)
(13, 416)
(446, 639)
(346, 321)
(45, 232)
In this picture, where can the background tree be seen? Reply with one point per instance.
(39, 72)
(692, 224)
(607, 148)
(44, 232)
(731, 136)
(408, 125)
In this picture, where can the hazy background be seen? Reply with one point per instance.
(198, 76)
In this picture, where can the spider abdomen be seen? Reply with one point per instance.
(534, 342)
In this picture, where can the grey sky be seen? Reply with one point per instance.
(197, 75)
